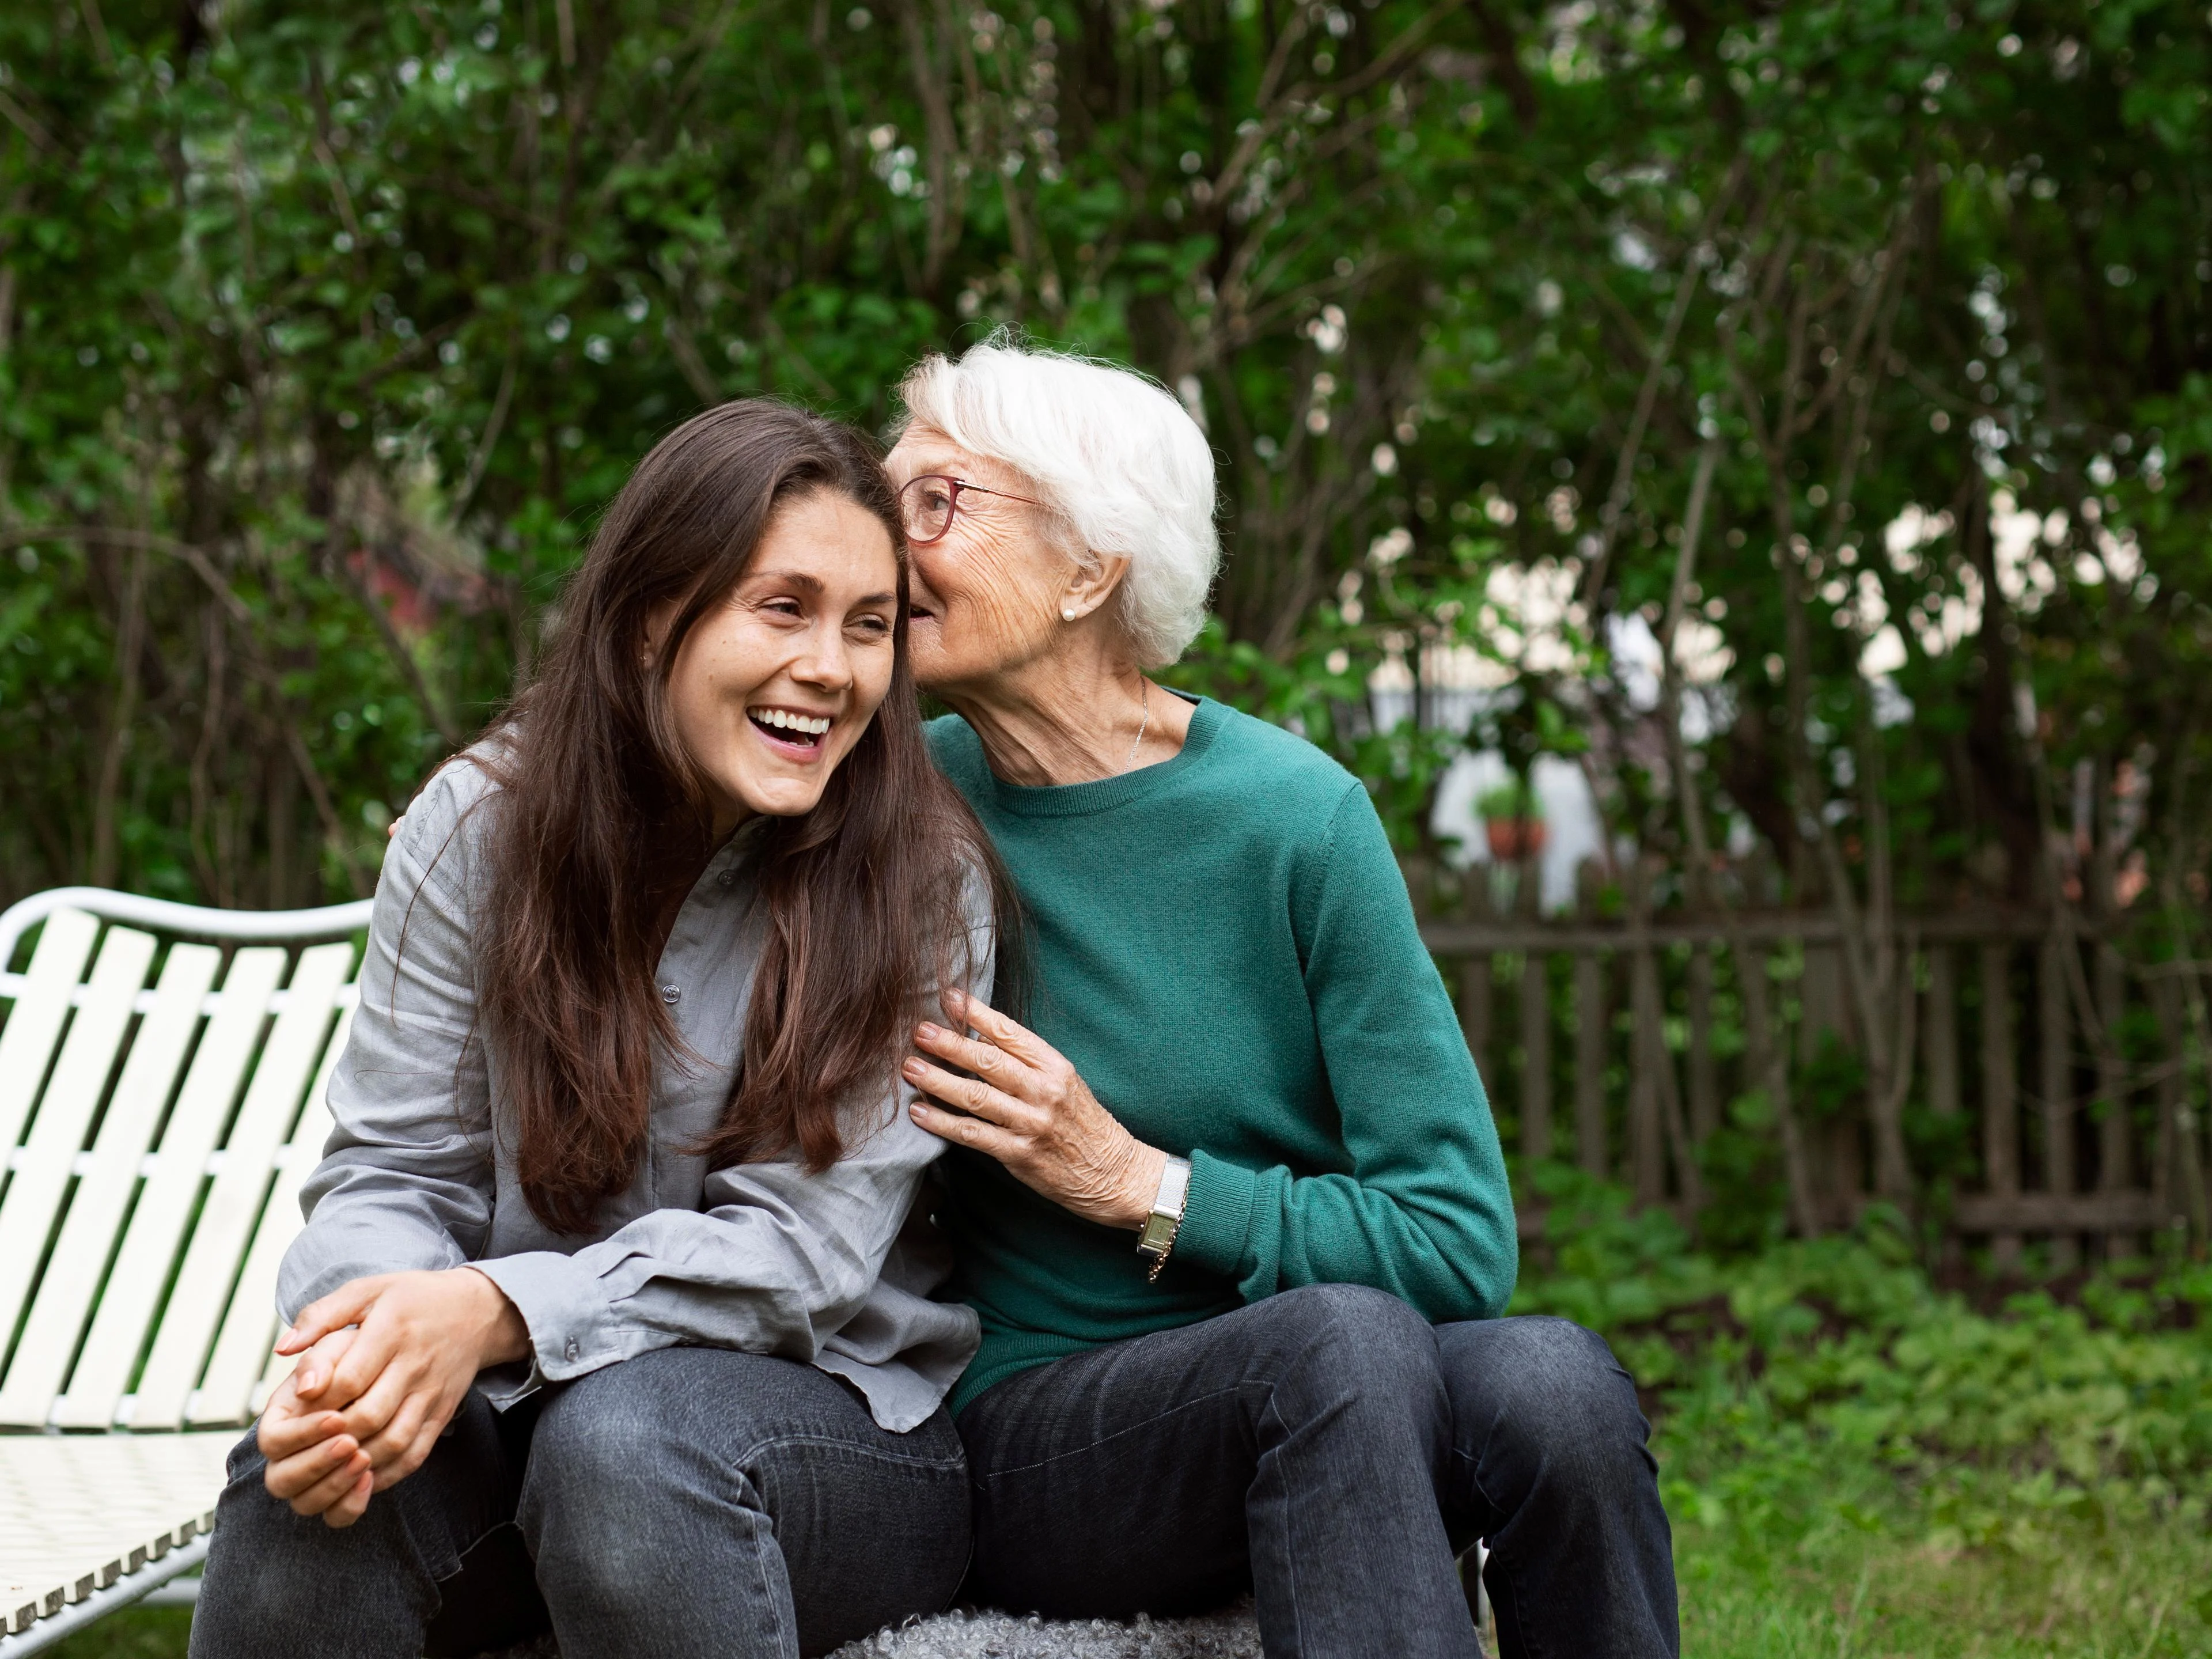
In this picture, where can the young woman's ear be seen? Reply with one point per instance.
(657, 622)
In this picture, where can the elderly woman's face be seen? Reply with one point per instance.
(987, 595)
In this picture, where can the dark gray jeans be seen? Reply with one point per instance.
(691, 1501)
(1331, 1450)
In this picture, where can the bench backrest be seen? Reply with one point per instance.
(162, 1077)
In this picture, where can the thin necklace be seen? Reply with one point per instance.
(1145, 693)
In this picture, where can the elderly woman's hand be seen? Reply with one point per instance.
(1027, 1107)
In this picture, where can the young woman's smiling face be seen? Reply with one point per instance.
(772, 687)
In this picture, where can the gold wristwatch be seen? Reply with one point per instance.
(1158, 1237)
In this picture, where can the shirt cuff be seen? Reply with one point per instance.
(1217, 1215)
(562, 1306)
(508, 1384)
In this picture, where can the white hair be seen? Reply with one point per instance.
(1116, 459)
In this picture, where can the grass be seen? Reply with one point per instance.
(2087, 1597)
(1860, 1463)
(134, 1633)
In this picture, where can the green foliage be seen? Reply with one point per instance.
(324, 332)
(1510, 800)
(1834, 1081)
(1824, 1412)
(134, 1633)
(1743, 1169)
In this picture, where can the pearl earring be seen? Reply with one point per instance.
(1068, 614)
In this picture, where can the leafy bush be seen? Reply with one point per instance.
(1819, 1390)
(1846, 1448)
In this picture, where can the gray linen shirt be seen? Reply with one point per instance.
(765, 1257)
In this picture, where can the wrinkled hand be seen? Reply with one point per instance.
(1028, 1108)
(390, 1385)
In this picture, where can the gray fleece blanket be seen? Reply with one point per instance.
(1228, 1634)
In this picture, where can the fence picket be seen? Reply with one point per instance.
(2055, 1082)
(1647, 1054)
(2142, 1181)
(2165, 1160)
(1474, 1000)
(1704, 1078)
(1592, 1019)
(2116, 1129)
(1536, 1139)
(1940, 1040)
(2000, 1098)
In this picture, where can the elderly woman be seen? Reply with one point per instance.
(1230, 1204)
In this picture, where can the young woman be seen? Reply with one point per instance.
(606, 1309)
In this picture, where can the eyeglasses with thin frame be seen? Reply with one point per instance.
(930, 503)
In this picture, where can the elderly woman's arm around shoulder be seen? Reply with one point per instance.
(1422, 1209)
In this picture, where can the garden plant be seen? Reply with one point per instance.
(1798, 416)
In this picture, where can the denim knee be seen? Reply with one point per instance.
(273, 1578)
(1363, 1341)
(275, 1566)
(608, 1462)
(1553, 1389)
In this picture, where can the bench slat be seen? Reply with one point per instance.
(165, 1203)
(107, 1178)
(48, 1158)
(245, 1368)
(235, 1202)
(35, 1022)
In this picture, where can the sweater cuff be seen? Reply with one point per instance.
(1217, 1215)
(562, 1306)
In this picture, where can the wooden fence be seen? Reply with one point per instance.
(1620, 1043)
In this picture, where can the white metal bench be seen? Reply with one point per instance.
(161, 1076)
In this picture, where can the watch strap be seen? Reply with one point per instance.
(1158, 1236)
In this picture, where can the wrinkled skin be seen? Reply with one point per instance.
(1022, 641)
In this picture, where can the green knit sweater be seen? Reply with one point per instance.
(1223, 947)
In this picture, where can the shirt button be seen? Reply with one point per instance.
(727, 878)
(572, 1350)
(672, 994)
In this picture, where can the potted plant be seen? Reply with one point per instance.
(1512, 820)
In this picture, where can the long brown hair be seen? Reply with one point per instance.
(601, 825)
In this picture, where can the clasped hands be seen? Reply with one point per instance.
(383, 1363)
(1027, 1107)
